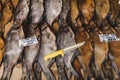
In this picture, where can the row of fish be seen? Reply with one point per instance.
(77, 21)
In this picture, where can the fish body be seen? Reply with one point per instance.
(36, 10)
(100, 49)
(65, 38)
(48, 45)
(7, 13)
(1, 47)
(74, 12)
(102, 8)
(1, 36)
(21, 12)
(53, 9)
(15, 3)
(12, 51)
(86, 8)
(86, 50)
(117, 27)
(12, 48)
(113, 48)
(32, 30)
(114, 11)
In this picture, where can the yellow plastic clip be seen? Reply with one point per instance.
(54, 54)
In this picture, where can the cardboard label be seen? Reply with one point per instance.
(28, 41)
(108, 37)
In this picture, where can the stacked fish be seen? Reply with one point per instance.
(40, 27)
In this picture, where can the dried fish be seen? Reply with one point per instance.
(1, 37)
(12, 52)
(48, 45)
(86, 8)
(74, 12)
(12, 49)
(52, 10)
(65, 38)
(114, 11)
(102, 9)
(100, 50)
(86, 50)
(31, 51)
(113, 48)
(7, 13)
(117, 27)
(1, 47)
(0, 11)
(14, 2)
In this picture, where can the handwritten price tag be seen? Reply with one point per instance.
(108, 37)
(28, 41)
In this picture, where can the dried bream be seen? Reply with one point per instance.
(86, 50)
(65, 38)
(48, 45)
(0, 11)
(117, 27)
(102, 8)
(86, 9)
(74, 12)
(7, 13)
(114, 51)
(100, 50)
(1, 37)
(32, 30)
(52, 10)
(14, 2)
(12, 48)
(114, 11)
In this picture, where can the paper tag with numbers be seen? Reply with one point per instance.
(108, 37)
(119, 1)
(28, 41)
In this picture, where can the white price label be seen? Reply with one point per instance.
(28, 41)
(108, 37)
(119, 1)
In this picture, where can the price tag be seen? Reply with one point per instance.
(28, 41)
(108, 37)
(119, 1)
